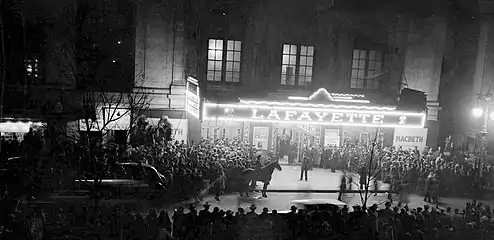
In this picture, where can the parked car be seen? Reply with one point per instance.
(126, 180)
(311, 204)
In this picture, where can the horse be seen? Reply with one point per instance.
(250, 175)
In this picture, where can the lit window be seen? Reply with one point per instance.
(293, 73)
(32, 68)
(366, 69)
(224, 67)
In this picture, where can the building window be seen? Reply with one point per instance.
(366, 69)
(32, 69)
(224, 67)
(297, 64)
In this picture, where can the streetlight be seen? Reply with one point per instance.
(484, 102)
(478, 112)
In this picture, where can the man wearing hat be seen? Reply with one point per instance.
(205, 214)
(304, 169)
(205, 218)
(252, 210)
(292, 220)
(190, 220)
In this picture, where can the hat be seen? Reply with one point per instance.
(253, 206)
(206, 205)
(293, 208)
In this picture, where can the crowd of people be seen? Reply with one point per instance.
(432, 173)
(475, 221)
(196, 169)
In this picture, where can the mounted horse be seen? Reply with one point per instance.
(264, 175)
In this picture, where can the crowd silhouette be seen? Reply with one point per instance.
(211, 167)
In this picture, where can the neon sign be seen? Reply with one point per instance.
(318, 116)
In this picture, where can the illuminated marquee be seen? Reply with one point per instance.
(319, 116)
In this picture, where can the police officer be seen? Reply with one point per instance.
(304, 168)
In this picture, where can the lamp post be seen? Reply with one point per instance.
(482, 110)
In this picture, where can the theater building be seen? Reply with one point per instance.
(322, 119)
(312, 71)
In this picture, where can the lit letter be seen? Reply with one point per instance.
(351, 116)
(320, 115)
(378, 119)
(274, 114)
(364, 117)
(304, 116)
(337, 117)
(289, 114)
(254, 114)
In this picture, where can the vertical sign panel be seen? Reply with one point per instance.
(192, 101)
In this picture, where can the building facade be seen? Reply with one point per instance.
(265, 50)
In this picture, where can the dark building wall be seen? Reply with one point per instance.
(71, 47)
(457, 79)
(172, 44)
(333, 32)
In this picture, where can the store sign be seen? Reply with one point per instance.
(192, 101)
(116, 118)
(410, 138)
(94, 126)
(261, 137)
(317, 116)
(332, 137)
(180, 127)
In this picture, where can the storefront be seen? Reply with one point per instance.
(322, 119)
(15, 129)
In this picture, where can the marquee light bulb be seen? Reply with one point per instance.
(214, 105)
(292, 104)
(321, 91)
(320, 123)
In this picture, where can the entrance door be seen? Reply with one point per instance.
(261, 137)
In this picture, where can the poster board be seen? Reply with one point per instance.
(260, 136)
(180, 127)
(332, 137)
(409, 138)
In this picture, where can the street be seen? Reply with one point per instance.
(318, 179)
(288, 179)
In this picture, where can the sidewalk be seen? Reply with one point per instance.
(418, 201)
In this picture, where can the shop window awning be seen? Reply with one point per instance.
(16, 127)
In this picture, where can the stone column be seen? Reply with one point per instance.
(422, 66)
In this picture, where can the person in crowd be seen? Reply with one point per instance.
(304, 169)
(343, 185)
